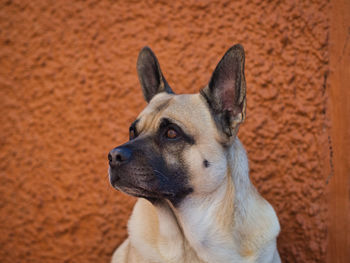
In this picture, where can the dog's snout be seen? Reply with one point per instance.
(119, 155)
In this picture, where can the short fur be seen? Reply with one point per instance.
(196, 203)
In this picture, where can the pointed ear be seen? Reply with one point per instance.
(226, 91)
(150, 76)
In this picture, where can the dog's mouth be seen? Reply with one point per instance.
(138, 191)
(145, 181)
(145, 188)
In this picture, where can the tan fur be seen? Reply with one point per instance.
(223, 220)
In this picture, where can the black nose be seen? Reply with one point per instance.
(119, 155)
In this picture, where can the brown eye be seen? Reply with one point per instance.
(131, 134)
(171, 134)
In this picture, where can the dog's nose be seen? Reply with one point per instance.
(119, 155)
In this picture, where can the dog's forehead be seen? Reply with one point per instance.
(188, 110)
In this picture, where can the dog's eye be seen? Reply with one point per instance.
(132, 134)
(171, 134)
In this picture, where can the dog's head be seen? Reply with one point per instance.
(178, 144)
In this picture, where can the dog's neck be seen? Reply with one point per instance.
(208, 226)
(219, 229)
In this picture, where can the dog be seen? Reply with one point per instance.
(190, 173)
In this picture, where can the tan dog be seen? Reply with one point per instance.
(190, 170)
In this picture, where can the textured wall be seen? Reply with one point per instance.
(68, 91)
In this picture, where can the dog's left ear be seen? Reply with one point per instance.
(150, 76)
(226, 91)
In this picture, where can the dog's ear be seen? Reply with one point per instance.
(226, 91)
(150, 76)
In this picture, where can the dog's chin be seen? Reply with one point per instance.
(136, 191)
(139, 193)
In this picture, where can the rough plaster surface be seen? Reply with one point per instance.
(68, 91)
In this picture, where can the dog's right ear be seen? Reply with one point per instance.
(150, 76)
(226, 91)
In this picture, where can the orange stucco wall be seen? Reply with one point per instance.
(69, 90)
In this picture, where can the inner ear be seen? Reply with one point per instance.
(226, 91)
(150, 75)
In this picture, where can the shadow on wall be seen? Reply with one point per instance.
(69, 91)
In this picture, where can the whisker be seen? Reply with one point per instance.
(158, 172)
